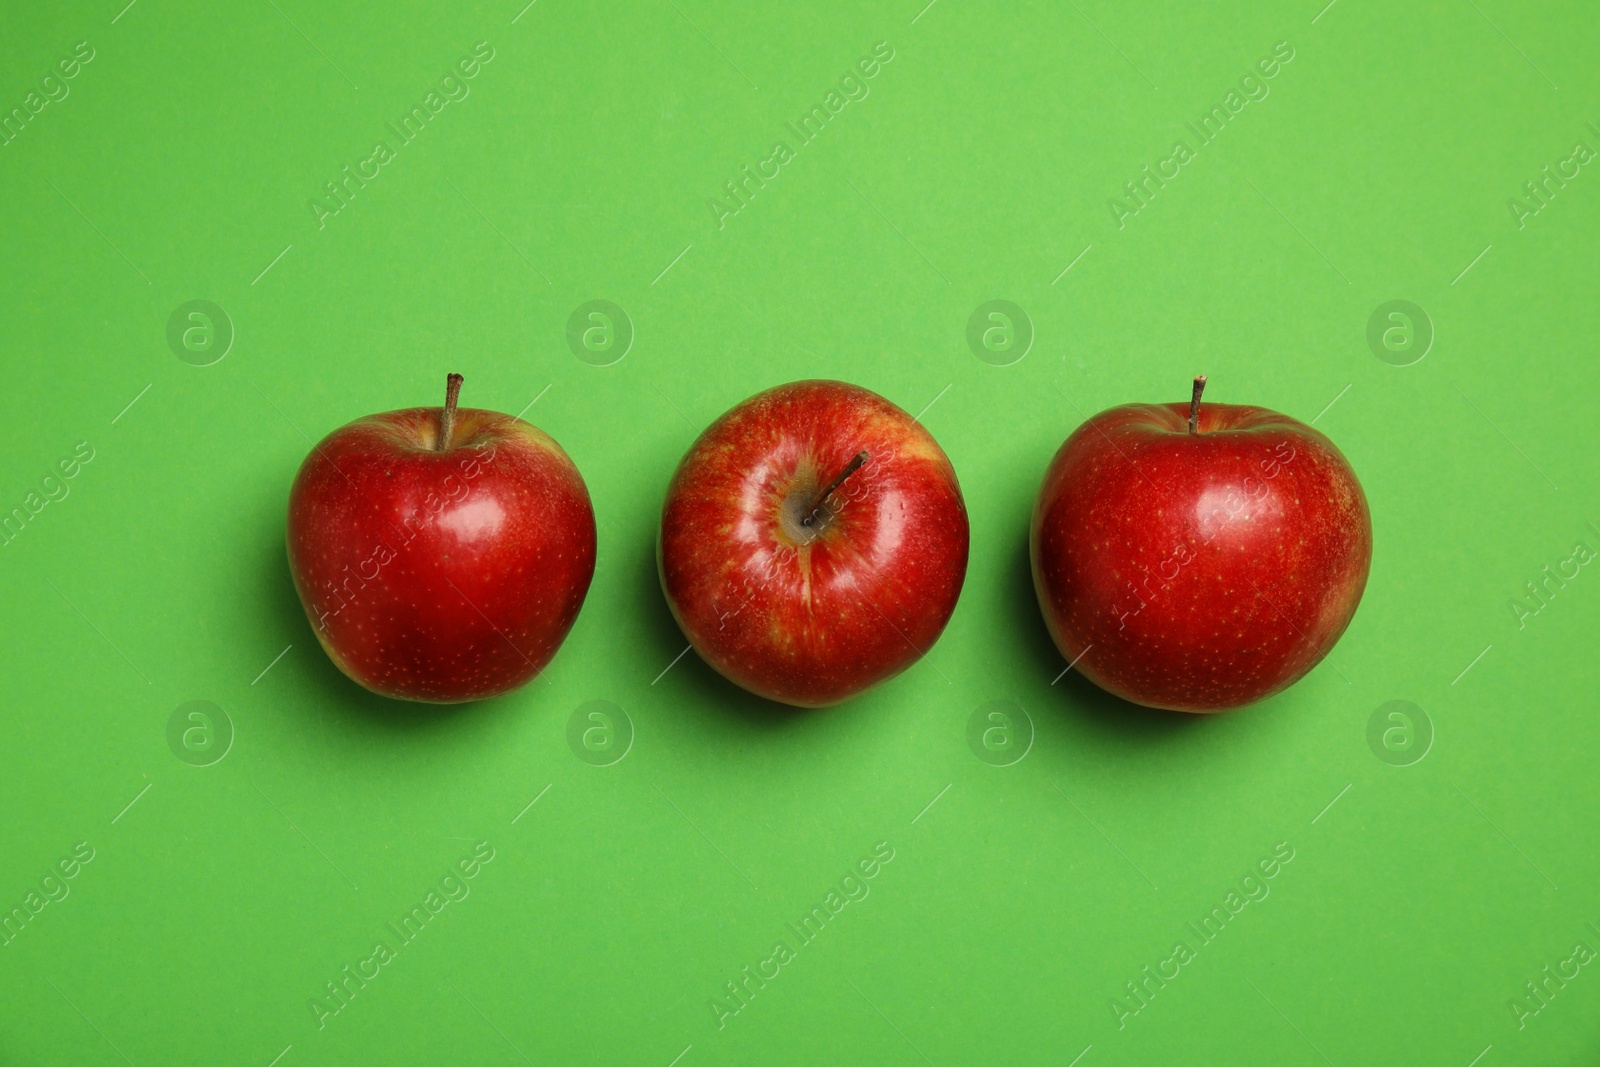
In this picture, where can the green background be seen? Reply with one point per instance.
(581, 166)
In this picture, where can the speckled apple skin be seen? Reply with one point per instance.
(814, 623)
(440, 576)
(1198, 572)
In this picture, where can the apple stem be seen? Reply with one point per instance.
(849, 469)
(447, 418)
(1194, 403)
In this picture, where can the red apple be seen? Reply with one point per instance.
(813, 542)
(440, 555)
(1198, 558)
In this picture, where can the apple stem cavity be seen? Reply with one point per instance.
(816, 505)
(447, 417)
(1194, 403)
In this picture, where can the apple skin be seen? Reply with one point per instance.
(440, 576)
(811, 617)
(1198, 572)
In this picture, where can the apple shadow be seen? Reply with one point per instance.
(1106, 715)
(697, 682)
